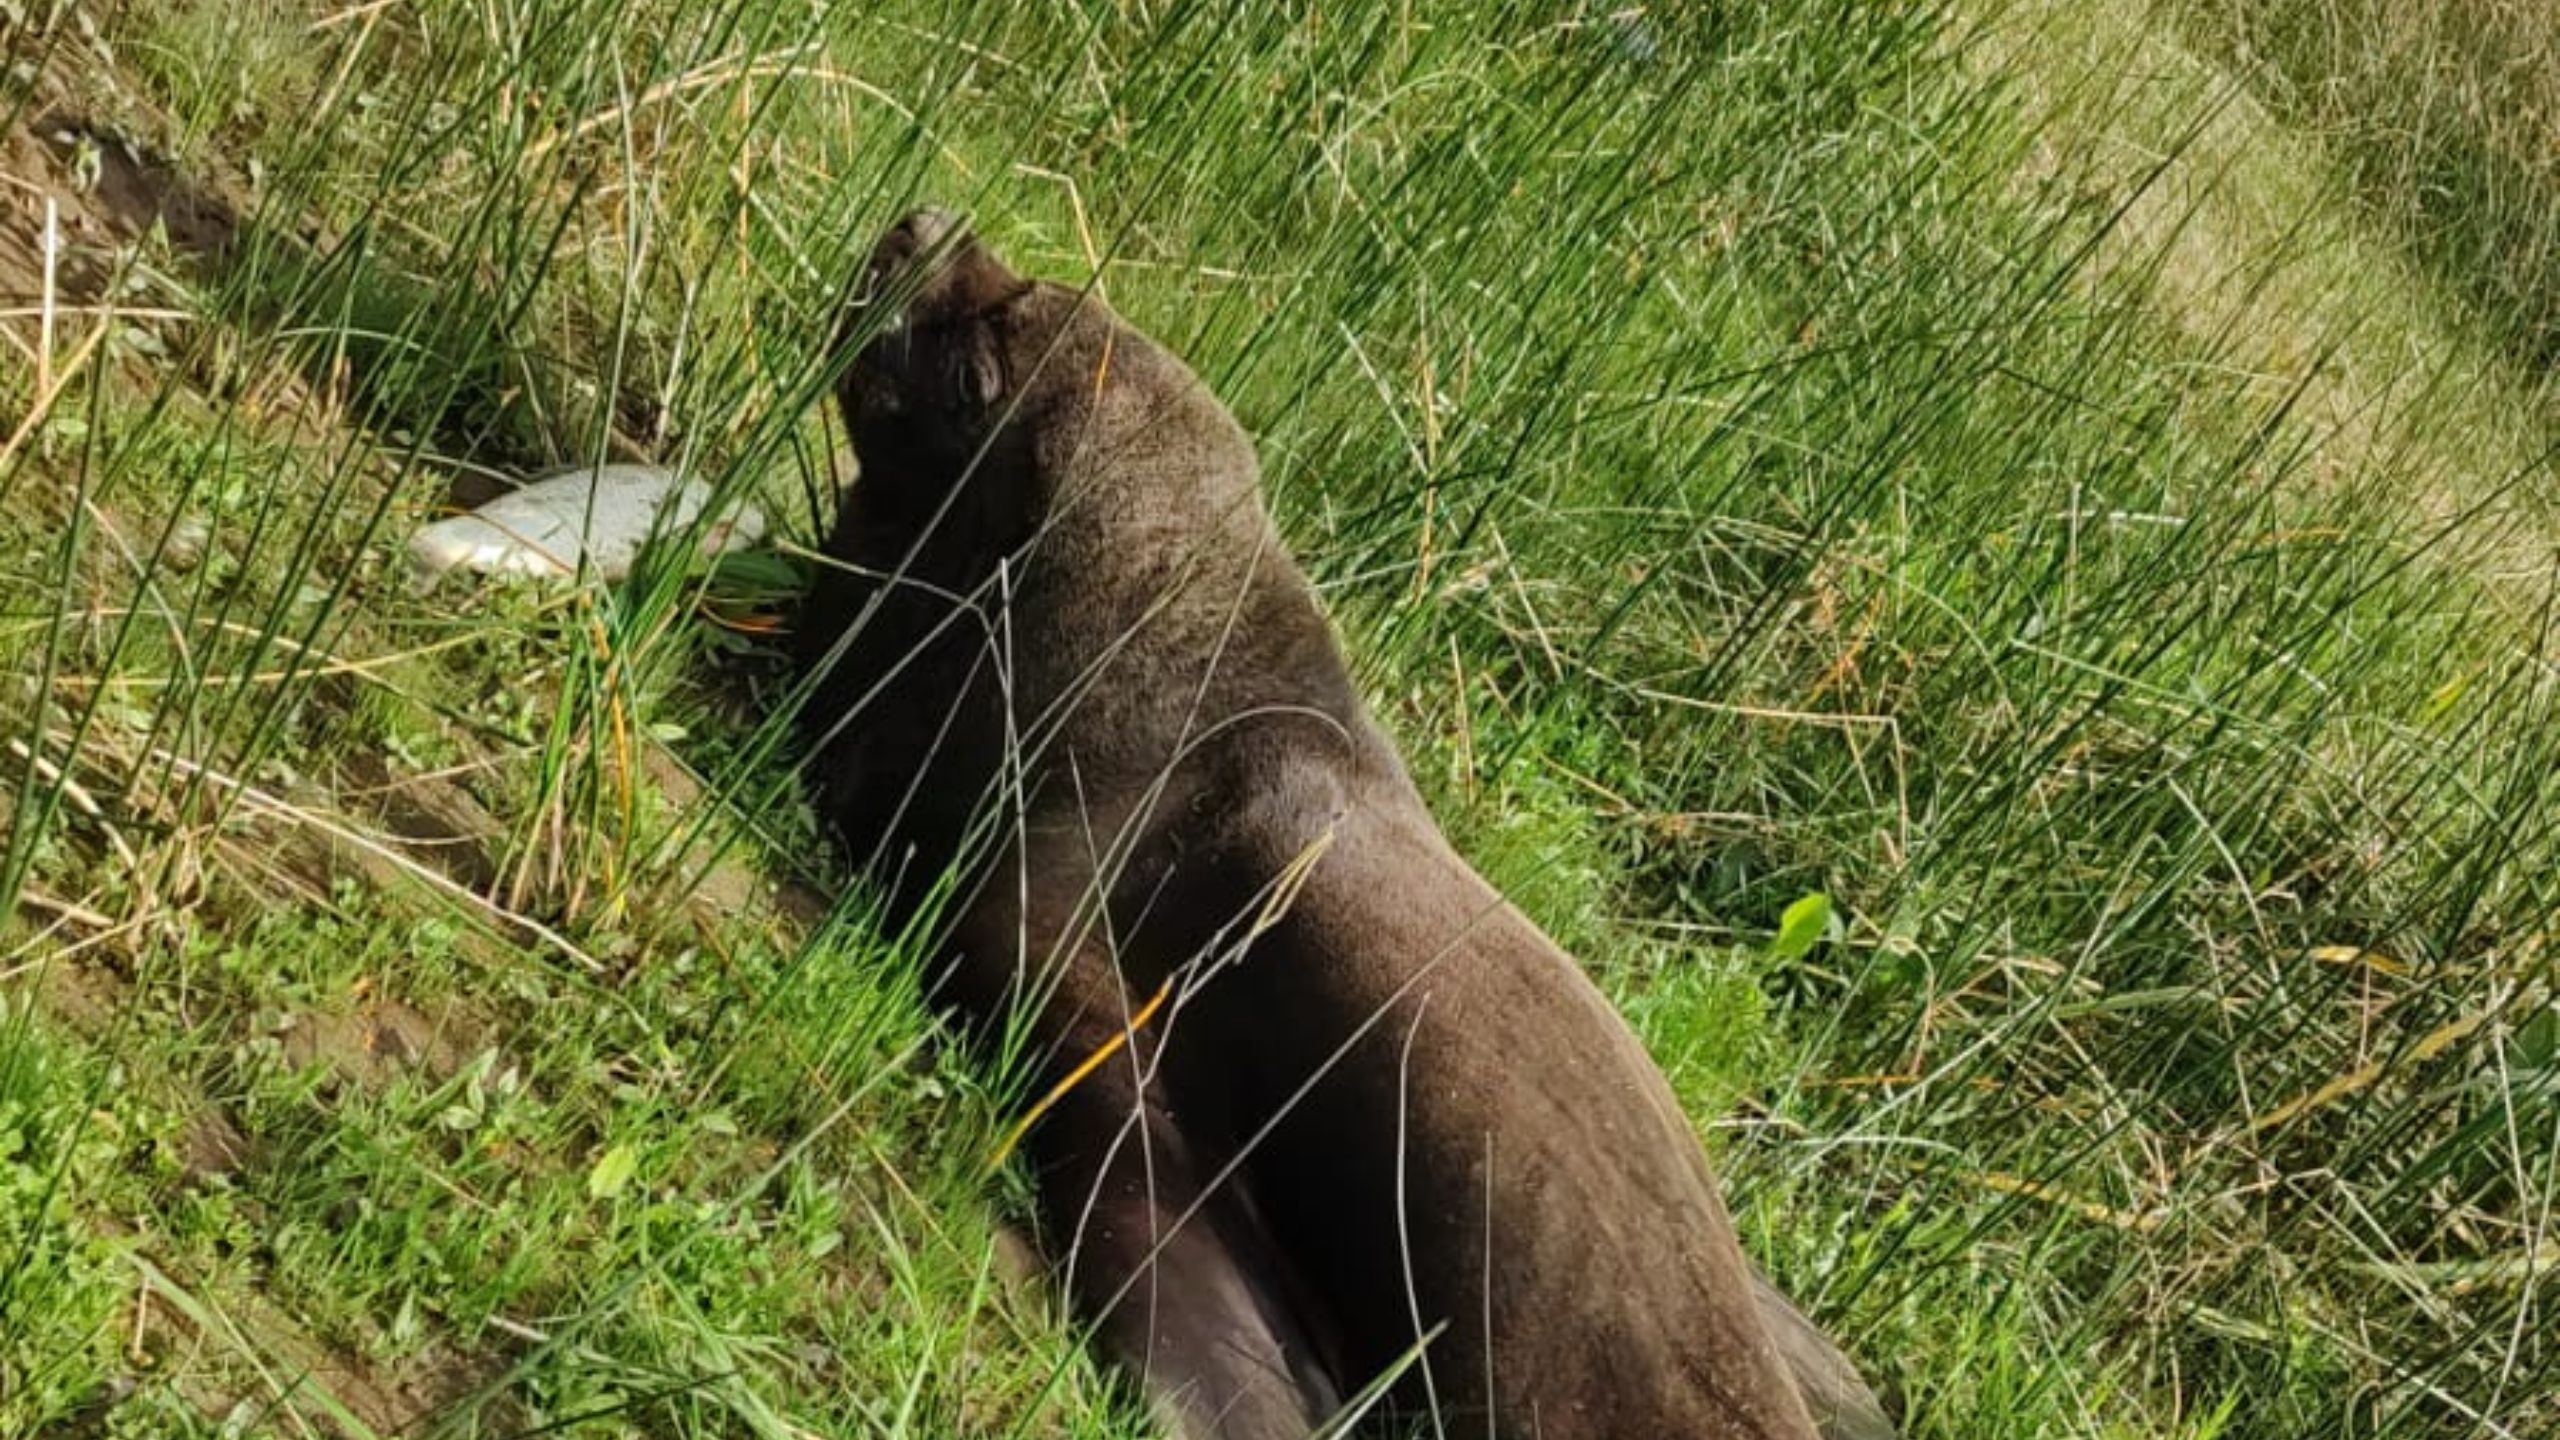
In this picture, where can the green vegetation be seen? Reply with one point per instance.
(2071, 487)
(2445, 121)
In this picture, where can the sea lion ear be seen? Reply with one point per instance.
(985, 378)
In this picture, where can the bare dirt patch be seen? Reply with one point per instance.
(107, 192)
(381, 1038)
(213, 1353)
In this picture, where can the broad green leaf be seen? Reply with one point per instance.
(612, 1172)
(1802, 927)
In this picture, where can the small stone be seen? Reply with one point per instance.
(185, 547)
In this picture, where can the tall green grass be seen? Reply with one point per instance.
(1752, 453)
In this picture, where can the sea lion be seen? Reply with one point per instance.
(1321, 1107)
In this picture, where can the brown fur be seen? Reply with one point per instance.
(1378, 1105)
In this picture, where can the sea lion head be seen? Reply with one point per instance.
(988, 409)
(979, 399)
(934, 368)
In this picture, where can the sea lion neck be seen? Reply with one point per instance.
(949, 514)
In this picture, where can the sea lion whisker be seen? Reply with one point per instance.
(1404, 1214)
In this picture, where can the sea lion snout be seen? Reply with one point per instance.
(922, 235)
(933, 268)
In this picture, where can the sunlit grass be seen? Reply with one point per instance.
(1750, 456)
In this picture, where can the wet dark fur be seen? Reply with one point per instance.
(1378, 1104)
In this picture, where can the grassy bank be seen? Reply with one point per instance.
(2443, 121)
(1995, 469)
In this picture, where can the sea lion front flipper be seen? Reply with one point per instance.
(1185, 1293)
(1844, 1406)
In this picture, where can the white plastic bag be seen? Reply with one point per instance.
(607, 512)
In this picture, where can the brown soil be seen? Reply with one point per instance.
(314, 1381)
(108, 193)
(379, 1039)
